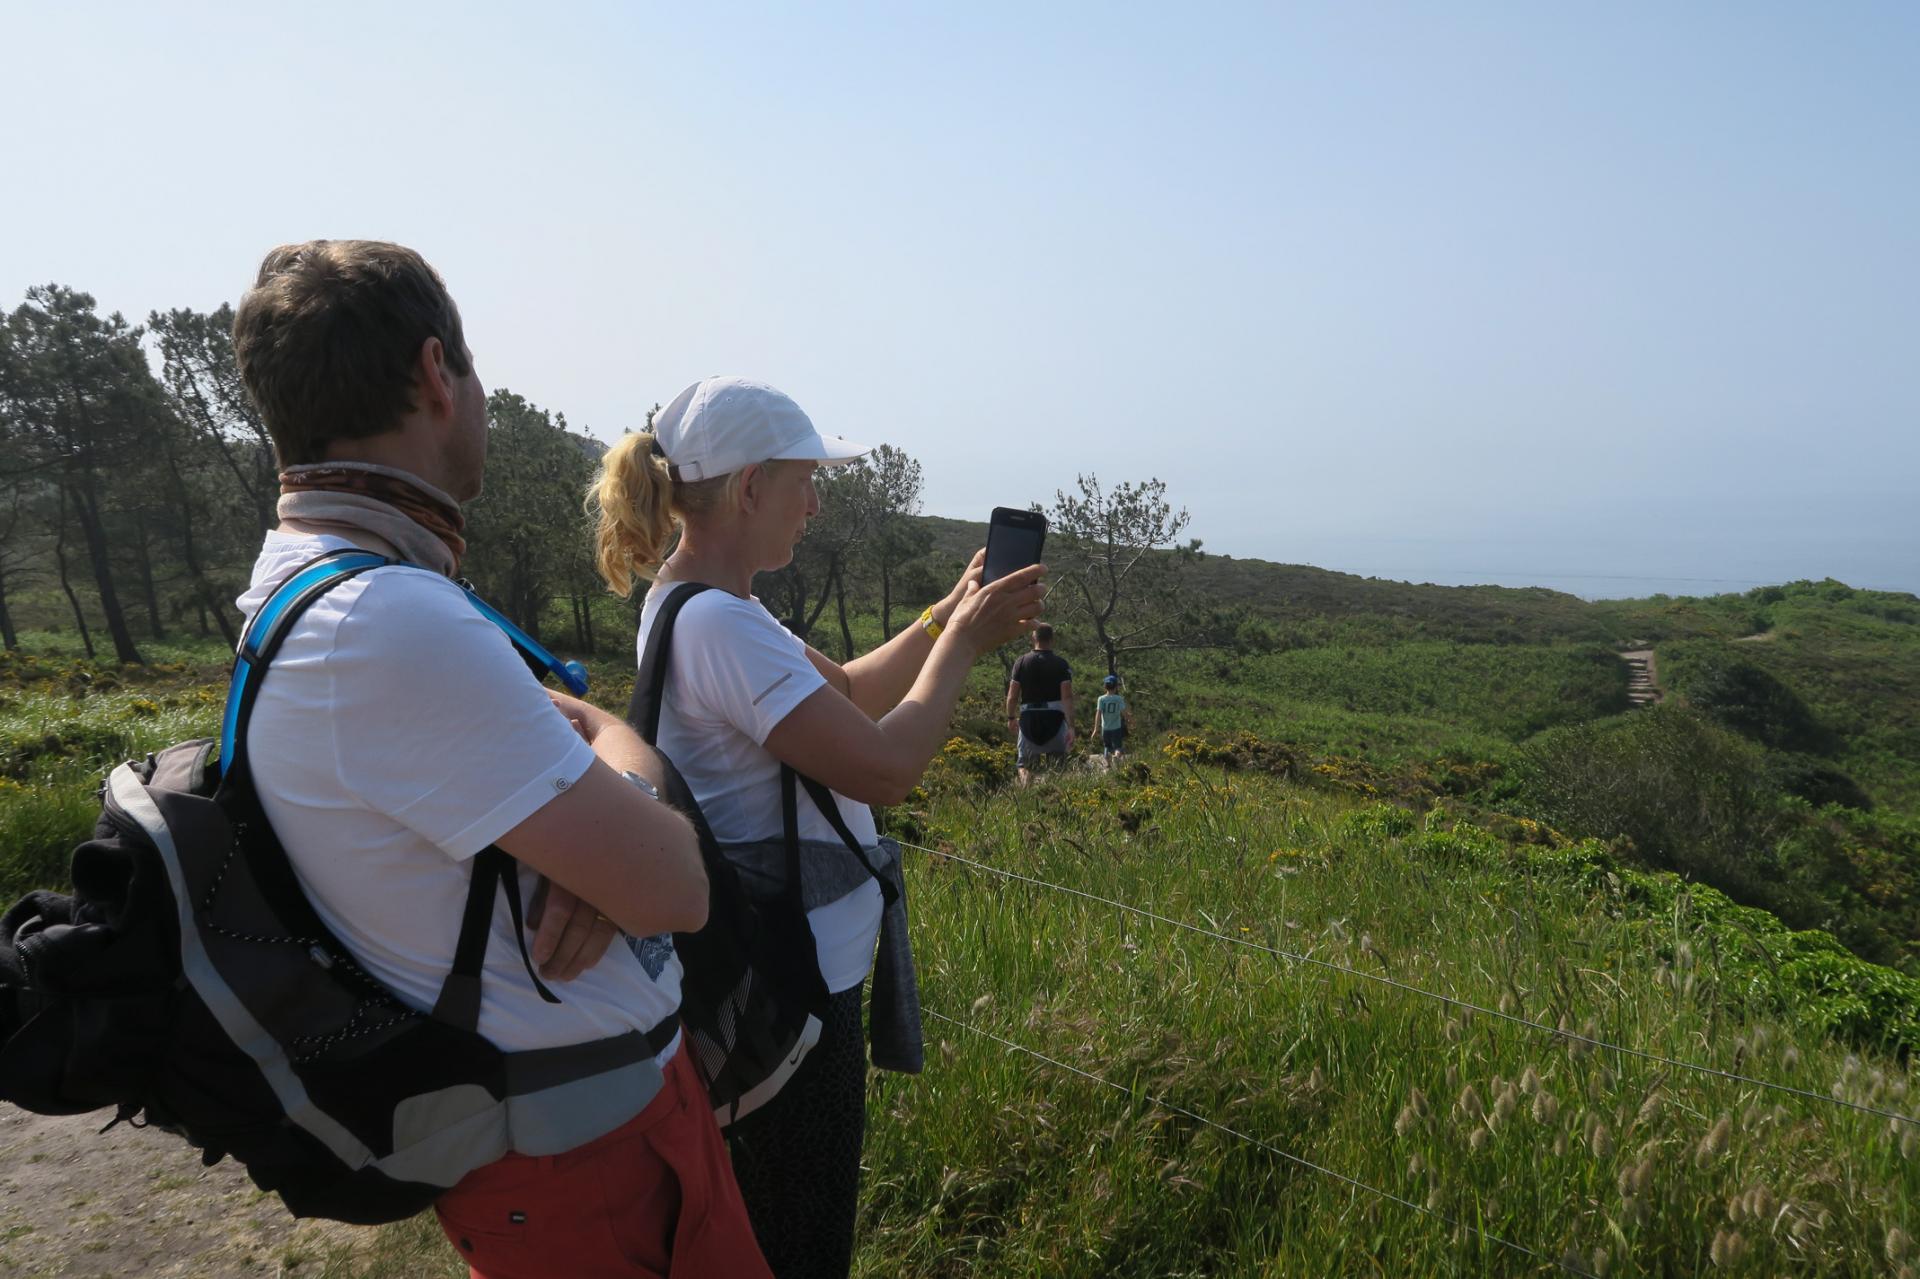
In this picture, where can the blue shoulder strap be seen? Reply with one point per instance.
(270, 625)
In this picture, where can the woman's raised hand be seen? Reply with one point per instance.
(989, 616)
(969, 580)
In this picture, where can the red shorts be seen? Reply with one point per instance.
(655, 1196)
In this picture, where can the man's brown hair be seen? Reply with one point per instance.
(1043, 634)
(329, 336)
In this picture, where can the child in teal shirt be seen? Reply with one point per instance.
(1115, 720)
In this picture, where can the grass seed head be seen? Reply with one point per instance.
(1714, 1144)
(1899, 1244)
(1728, 1247)
(1601, 1142)
(1546, 1107)
(1477, 1140)
(1470, 1104)
(1529, 1081)
(1649, 1110)
(1505, 1104)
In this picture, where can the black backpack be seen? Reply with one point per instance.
(188, 983)
(752, 998)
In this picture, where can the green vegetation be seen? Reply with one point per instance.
(1438, 787)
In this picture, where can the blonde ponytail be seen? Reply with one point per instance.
(631, 501)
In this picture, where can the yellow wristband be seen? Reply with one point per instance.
(931, 627)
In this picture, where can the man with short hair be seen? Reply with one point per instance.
(1040, 704)
(398, 733)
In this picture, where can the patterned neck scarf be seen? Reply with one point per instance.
(415, 518)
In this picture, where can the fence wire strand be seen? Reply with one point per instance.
(1270, 1148)
(1408, 988)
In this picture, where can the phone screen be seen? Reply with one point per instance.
(1011, 548)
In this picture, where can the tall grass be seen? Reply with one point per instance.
(996, 1164)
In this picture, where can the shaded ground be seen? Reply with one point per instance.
(80, 1204)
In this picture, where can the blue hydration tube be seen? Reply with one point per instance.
(571, 674)
(338, 567)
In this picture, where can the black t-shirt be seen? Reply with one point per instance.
(1040, 675)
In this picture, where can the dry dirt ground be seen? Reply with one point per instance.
(79, 1204)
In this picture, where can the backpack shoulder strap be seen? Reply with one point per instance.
(268, 630)
(830, 809)
(649, 685)
(493, 870)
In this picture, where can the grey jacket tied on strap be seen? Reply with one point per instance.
(829, 871)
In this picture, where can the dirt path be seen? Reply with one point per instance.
(1643, 677)
(80, 1204)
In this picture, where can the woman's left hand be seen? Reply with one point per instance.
(976, 569)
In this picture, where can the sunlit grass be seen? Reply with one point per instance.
(993, 1163)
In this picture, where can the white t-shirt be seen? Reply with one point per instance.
(397, 733)
(734, 675)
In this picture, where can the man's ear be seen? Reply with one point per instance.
(750, 478)
(434, 379)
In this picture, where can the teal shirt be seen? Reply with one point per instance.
(1112, 707)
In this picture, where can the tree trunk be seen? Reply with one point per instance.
(149, 595)
(586, 616)
(886, 601)
(826, 597)
(6, 615)
(66, 584)
(840, 603)
(204, 595)
(87, 509)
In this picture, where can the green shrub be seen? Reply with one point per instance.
(1691, 797)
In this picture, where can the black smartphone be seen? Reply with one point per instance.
(1014, 539)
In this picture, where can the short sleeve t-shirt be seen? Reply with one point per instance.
(398, 733)
(735, 674)
(1040, 674)
(1112, 708)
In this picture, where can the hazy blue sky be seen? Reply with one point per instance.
(1585, 295)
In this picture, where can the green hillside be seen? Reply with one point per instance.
(1361, 796)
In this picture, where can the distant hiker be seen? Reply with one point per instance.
(1115, 719)
(718, 490)
(399, 744)
(1040, 704)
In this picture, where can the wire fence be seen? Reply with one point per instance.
(1451, 1001)
(1564, 1263)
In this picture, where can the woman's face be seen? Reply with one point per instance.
(785, 501)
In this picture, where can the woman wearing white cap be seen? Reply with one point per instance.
(727, 470)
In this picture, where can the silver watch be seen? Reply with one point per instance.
(652, 791)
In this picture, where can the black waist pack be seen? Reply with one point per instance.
(188, 983)
(751, 993)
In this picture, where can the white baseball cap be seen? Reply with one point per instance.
(720, 424)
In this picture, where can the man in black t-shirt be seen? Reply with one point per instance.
(1040, 703)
